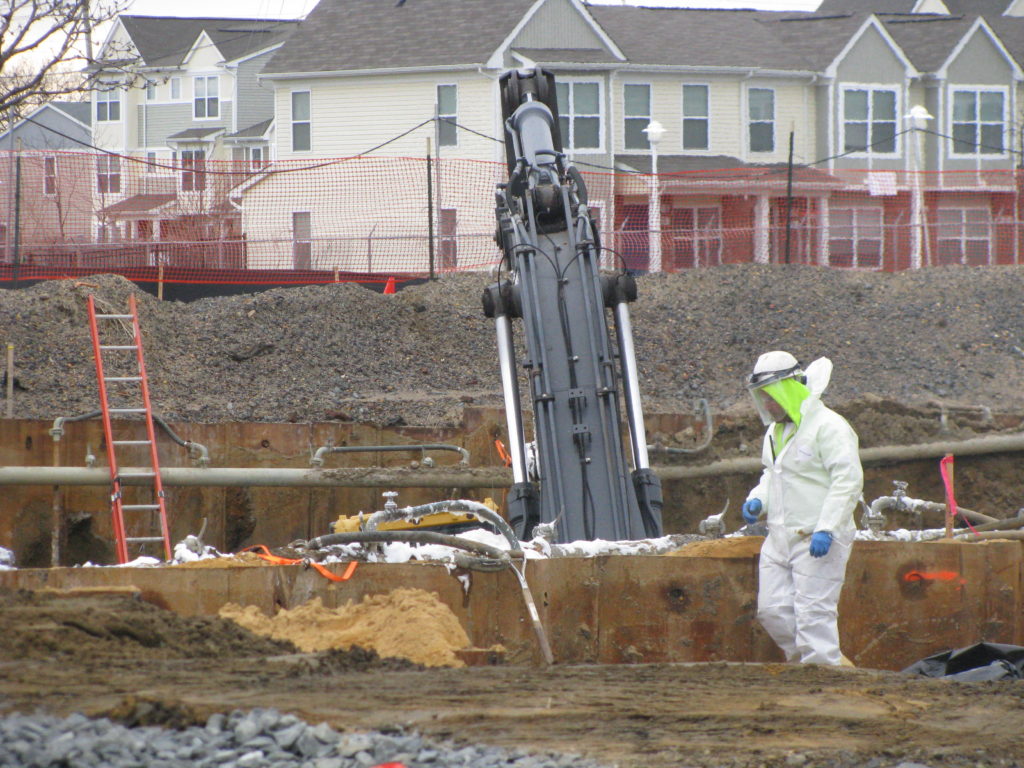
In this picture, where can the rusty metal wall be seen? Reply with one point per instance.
(901, 601)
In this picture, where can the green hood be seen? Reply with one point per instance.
(790, 394)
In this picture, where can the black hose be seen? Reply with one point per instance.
(412, 537)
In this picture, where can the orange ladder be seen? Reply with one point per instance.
(139, 404)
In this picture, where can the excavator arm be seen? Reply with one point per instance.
(576, 377)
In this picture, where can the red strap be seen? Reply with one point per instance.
(946, 470)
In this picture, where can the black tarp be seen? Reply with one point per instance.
(982, 661)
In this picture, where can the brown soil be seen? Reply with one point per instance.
(411, 624)
(113, 656)
(744, 546)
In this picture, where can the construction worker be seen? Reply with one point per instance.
(809, 488)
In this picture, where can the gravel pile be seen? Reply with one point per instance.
(260, 738)
(342, 352)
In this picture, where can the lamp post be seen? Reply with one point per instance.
(917, 119)
(654, 131)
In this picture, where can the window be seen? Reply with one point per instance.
(855, 238)
(302, 240)
(447, 115)
(869, 121)
(301, 124)
(696, 236)
(636, 109)
(150, 91)
(761, 117)
(965, 236)
(49, 176)
(696, 117)
(176, 89)
(978, 122)
(255, 157)
(108, 106)
(579, 114)
(193, 167)
(206, 100)
(151, 162)
(447, 229)
(108, 174)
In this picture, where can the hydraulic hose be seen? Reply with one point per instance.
(475, 508)
(411, 537)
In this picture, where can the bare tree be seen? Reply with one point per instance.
(45, 50)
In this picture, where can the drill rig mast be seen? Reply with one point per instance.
(553, 283)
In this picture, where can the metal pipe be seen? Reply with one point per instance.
(510, 389)
(470, 477)
(917, 506)
(197, 451)
(318, 457)
(987, 535)
(634, 411)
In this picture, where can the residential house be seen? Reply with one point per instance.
(44, 182)
(738, 92)
(178, 99)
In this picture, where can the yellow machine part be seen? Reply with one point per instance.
(351, 523)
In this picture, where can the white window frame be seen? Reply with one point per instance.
(705, 243)
(107, 103)
(150, 91)
(190, 169)
(50, 175)
(977, 90)
(453, 117)
(206, 98)
(302, 247)
(307, 122)
(771, 122)
(871, 89)
(567, 141)
(256, 157)
(857, 235)
(683, 117)
(108, 167)
(636, 119)
(962, 238)
(175, 89)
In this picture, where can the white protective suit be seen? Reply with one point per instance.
(812, 485)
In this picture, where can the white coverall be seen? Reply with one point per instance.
(813, 484)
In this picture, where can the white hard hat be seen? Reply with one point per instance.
(773, 366)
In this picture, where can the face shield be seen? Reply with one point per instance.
(778, 396)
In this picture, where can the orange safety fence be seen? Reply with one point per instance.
(371, 219)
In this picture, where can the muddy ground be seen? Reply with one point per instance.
(115, 656)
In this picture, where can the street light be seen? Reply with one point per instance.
(917, 119)
(654, 131)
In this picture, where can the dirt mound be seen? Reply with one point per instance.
(742, 546)
(405, 623)
(51, 626)
(342, 352)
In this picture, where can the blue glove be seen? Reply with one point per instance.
(820, 542)
(751, 510)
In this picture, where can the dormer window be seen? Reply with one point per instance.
(979, 121)
(869, 120)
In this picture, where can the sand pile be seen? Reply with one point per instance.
(738, 546)
(411, 624)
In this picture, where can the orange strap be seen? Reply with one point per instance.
(261, 551)
(503, 453)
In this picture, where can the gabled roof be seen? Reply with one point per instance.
(252, 132)
(353, 35)
(928, 41)
(165, 41)
(196, 134)
(702, 38)
(139, 204)
(957, 7)
(76, 110)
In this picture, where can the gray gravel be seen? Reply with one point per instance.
(342, 352)
(260, 738)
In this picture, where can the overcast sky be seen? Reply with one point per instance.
(288, 9)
